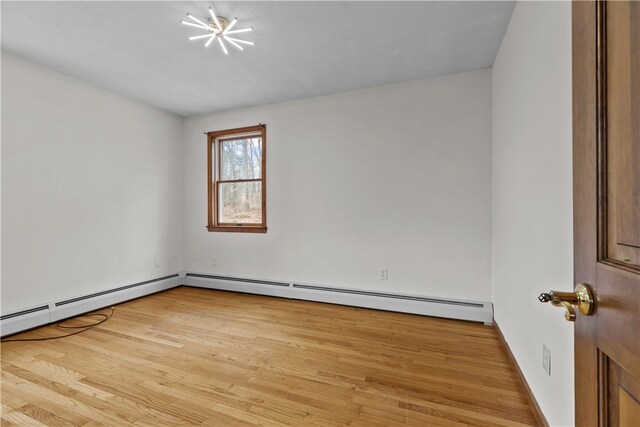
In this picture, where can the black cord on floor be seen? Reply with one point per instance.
(61, 325)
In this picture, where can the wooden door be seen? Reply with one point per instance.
(606, 138)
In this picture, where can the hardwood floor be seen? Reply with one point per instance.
(191, 356)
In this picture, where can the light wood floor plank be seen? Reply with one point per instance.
(192, 356)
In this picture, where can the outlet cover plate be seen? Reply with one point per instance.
(546, 359)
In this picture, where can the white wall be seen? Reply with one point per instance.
(532, 197)
(399, 176)
(91, 188)
(395, 176)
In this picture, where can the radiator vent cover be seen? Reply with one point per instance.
(386, 295)
(475, 311)
(110, 291)
(23, 312)
(238, 279)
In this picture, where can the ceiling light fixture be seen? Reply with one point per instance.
(220, 28)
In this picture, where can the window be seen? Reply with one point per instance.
(237, 184)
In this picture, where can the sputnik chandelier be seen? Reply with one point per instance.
(220, 28)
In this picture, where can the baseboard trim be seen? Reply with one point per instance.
(533, 403)
(474, 311)
(22, 320)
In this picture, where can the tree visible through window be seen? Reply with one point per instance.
(237, 180)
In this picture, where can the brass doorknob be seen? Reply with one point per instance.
(582, 297)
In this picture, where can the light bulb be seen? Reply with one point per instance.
(234, 43)
(193, 24)
(215, 18)
(242, 30)
(199, 37)
(230, 26)
(210, 40)
(240, 41)
(198, 21)
(224, 48)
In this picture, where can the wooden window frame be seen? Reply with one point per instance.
(213, 179)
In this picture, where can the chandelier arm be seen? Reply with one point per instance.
(240, 41)
(234, 43)
(197, 20)
(242, 30)
(224, 48)
(200, 37)
(210, 40)
(192, 24)
(215, 19)
(230, 26)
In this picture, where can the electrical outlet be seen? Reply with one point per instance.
(214, 260)
(157, 261)
(384, 274)
(546, 359)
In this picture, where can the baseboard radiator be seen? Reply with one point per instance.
(438, 307)
(43, 314)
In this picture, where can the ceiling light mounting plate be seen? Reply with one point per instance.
(224, 22)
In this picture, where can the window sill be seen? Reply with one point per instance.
(244, 229)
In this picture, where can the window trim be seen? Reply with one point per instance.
(213, 181)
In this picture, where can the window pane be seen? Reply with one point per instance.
(241, 159)
(240, 202)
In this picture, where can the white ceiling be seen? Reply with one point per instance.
(306, 48)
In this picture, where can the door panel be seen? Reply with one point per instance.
(606, 128)
(622, 64)
(629, 409)
(621, 408)
(618, 326)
